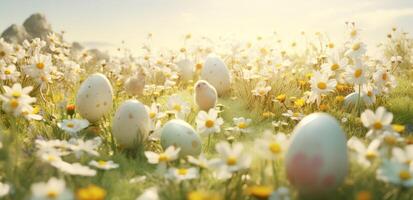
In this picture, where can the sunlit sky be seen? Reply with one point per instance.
(108, 22)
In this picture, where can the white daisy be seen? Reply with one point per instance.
(178, 107)
(261, 89)
(73, 126)
(232, 158)
(271, 146)
(53, 189)
(296, 116)
(396, 173)
(356, 74)
(105, 165)
(242, 125)
(208, 123)
(355, 49)
(377, 122)
(9, 72)
(162, 159)
(365, 156)
(180, 174)
(320, 85)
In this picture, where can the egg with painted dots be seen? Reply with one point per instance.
(94, 98)
(180, 134)
(130, 125)
(316, 160)
(217, 74)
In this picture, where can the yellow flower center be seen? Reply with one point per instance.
(263, 51)
(7, 71)
(356, 46)
(390, 140)
(353, 33)
(358, 73)
(16, 94)
(231, 160)
(370, 155)
(182, 171)
(2, 54)
(51, 158)
(177, 107)
(405, 175)
(335, 67)
(377, 125)
(370, 93)
(40, 65)
(330, 45)
(275, 147)
(281, 98)
(242, 125)
(102, 163)
(152, 115)
(322, 85)
(296, 114)
(163, 157)
(51, 194)
(70, 125)
(209, 123)
(14, 103)
(262, 92)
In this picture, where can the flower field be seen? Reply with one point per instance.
(211, 119)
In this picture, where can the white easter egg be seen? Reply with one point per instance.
(217, 74)
(316, 160)
(351, 101)
(186, 69)
(94, 97)
(180, 134)
(130, 126)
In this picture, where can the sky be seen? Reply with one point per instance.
(106, 23)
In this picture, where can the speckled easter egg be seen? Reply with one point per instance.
(130, 126)
(217, 74)
(94, 97)
(180, 134)
(186, 69)
(316, 160)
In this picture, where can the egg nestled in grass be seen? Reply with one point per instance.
(130, 126)
(217, 74)
(316, 160)
(94, 98)
(180, 134)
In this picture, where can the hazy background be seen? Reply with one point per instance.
(105, 23)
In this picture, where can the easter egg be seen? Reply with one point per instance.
(316, 160)
(180, 134)
(94, 98)
(186, 69)
(130, 126)
(351, 101)
(217, 74)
